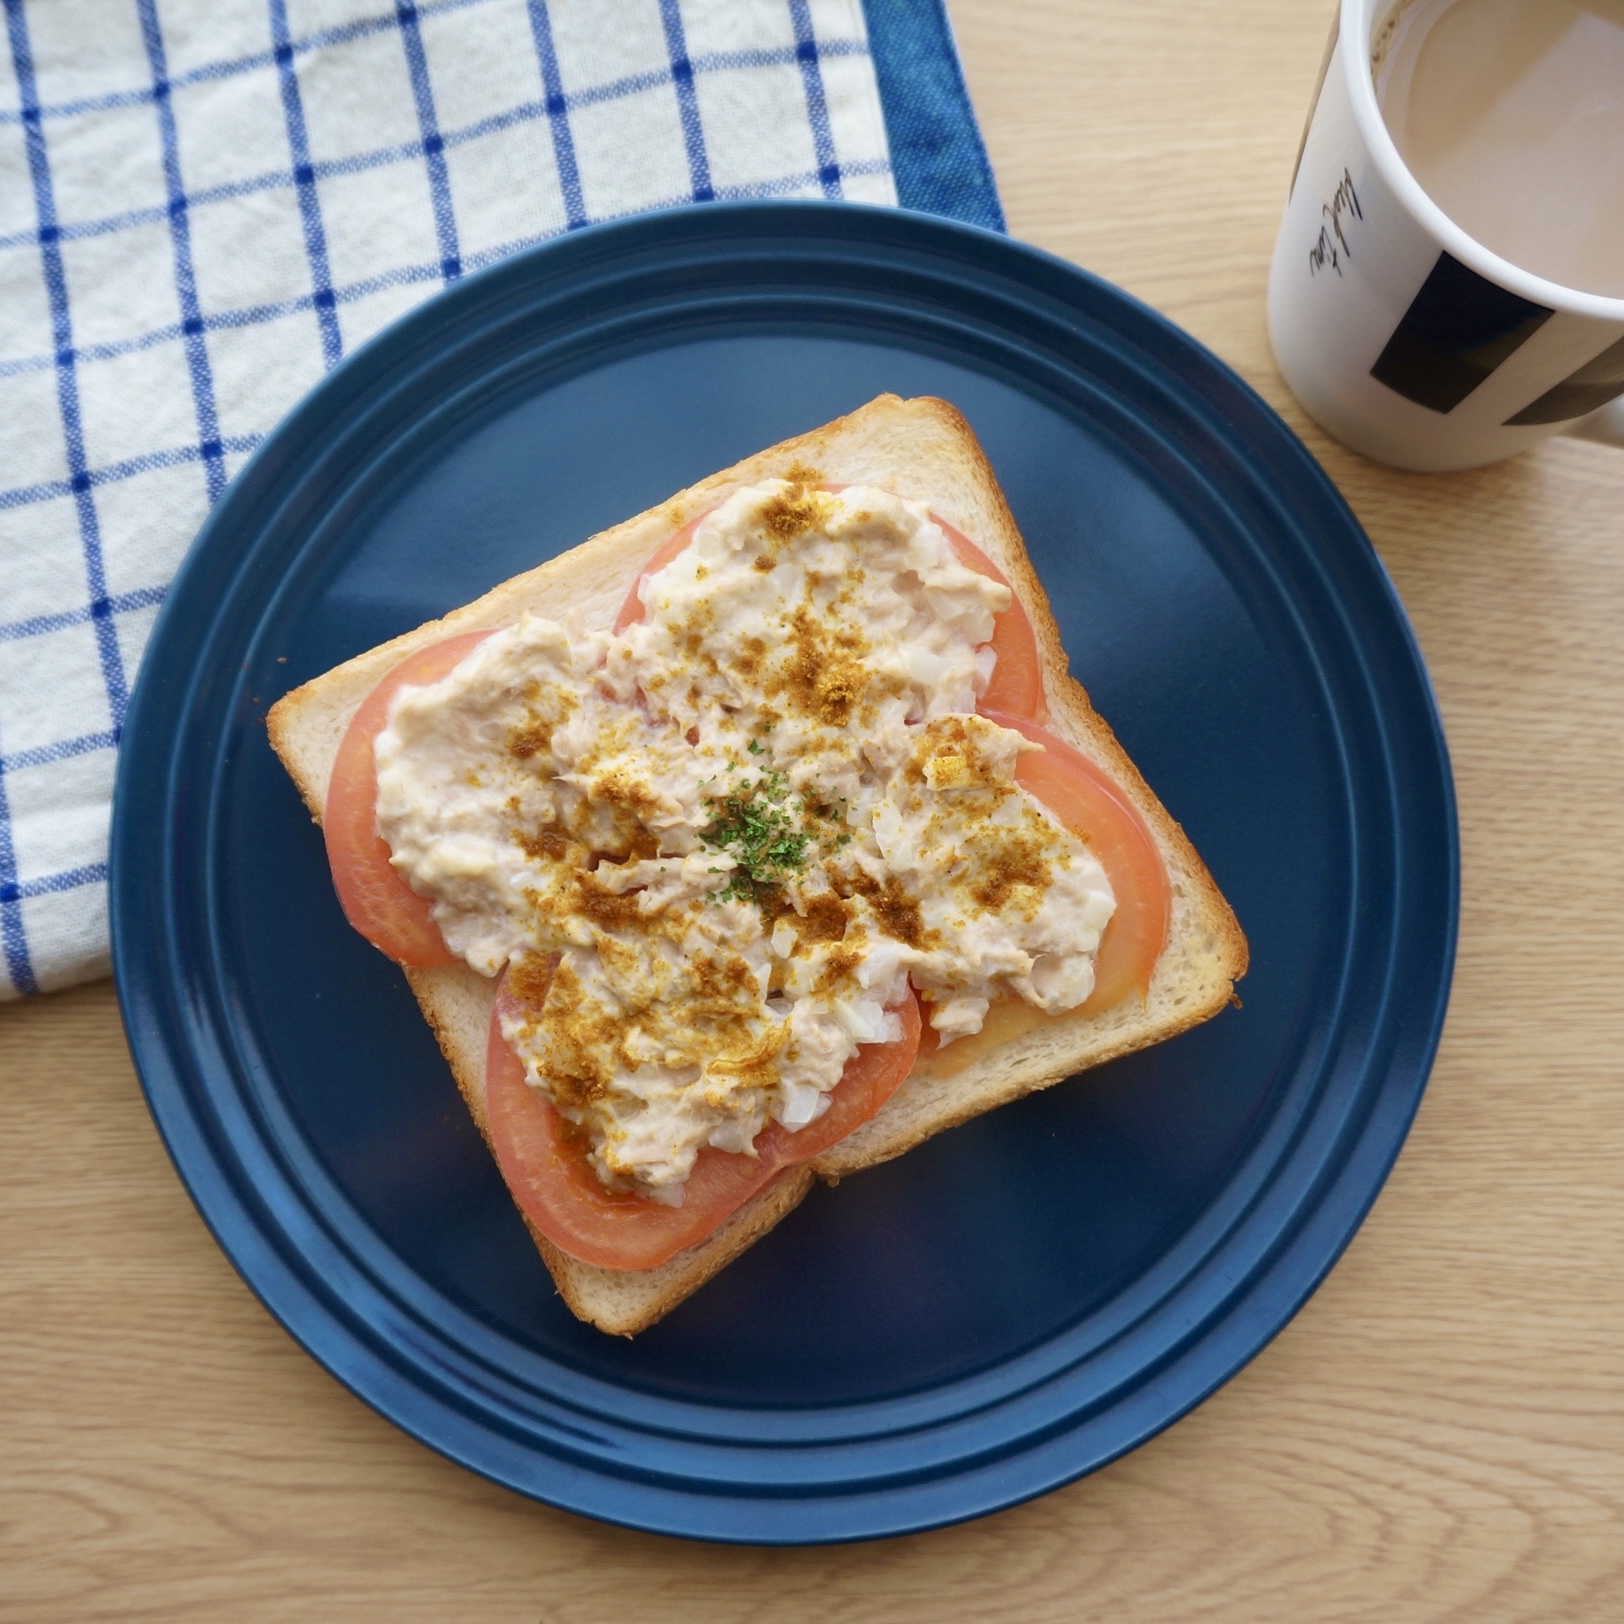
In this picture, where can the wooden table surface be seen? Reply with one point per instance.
(1436, 1436)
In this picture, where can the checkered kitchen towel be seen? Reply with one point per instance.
(204, 204)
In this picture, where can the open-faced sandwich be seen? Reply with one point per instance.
(758, 838)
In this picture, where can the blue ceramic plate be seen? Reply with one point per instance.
(1016, 1302)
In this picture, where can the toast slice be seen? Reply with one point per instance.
(921, 449)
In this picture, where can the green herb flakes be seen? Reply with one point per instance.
(757, 825)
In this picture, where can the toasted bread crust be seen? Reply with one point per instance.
(923, 449)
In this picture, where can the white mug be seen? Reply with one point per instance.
(1400, 334)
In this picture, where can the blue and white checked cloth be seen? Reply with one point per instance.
(205, 204)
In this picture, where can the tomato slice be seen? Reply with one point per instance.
(1094, 807)
(871, 1077)
(1016, 688)
(632, 610)
(559, 1193)
(374, 897)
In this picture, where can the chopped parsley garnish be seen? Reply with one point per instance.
(758, 825)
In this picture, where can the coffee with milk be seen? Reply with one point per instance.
(1510, 115)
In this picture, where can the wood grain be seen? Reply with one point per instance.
(1438, 1436)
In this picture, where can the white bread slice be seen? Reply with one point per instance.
(921, 449)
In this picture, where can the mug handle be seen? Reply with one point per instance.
(1605, 425)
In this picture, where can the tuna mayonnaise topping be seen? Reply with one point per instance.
(713, 850)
